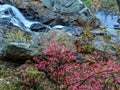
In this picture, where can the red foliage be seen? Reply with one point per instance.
(62, 68)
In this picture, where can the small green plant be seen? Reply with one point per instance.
(9, 86)
(105, 30)
(29, 79)
(87, 2)
(109, 4)
(90, 48)
(3, 72)
(117, 48)
(84, 44)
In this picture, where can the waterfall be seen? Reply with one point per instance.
(16, 18)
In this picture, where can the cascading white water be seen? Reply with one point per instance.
(16, 18)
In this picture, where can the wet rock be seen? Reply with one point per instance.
(103, 46)
(74, 30)
(64, 6)
(39, 27)
(71, 7)
(2, 42)
(69, 12)
(79, 58)
(102, 26)
(99, 33)
(3, 1)
(29, 13)
(15, 52)
(11, 15)
(56, 21)
(60, 36)
(15, 46)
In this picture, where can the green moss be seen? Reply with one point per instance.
(90, 48)
(18, 36)
(87, 2)
(9, 87)
(3, 72)
(29, 79)
(109, 4)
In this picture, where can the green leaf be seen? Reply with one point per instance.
(118, 32)
(105, 30)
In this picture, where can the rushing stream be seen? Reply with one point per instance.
(109, 20)
(13, 15)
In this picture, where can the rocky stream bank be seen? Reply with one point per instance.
(26, 26)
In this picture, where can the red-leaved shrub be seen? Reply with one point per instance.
(59, 63)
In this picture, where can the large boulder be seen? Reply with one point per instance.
(74, 8)
(17, 45)
(60, 36)
(14, 45)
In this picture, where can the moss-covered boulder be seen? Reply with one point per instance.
(17, 45)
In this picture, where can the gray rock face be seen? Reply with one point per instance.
(71, 7)
(14, 44)
(15, 52)
(39, 27)
(59, 35)
(57, 10)
(2, 1)
(2, 42)
(79, 58)
(64, 6)
(19, 46)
